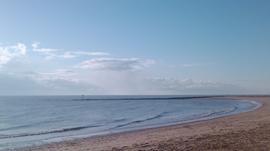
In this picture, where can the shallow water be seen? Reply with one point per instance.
(35, 120)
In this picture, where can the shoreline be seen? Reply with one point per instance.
(152, 138)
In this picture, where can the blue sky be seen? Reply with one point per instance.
(134, 47)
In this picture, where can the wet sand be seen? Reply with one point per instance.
(245, 131)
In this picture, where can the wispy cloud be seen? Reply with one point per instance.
(51, 53)
(60, 74)
(40, 83)
(189, 65)
(61, 80)
(90, 53)
(36, 48)
(12, 51)
(191, 86)
(116, 64)
(74, 54)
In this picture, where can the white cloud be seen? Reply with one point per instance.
(51, 53)
(36, 48)
(73, 54)
(68, 55)
(116, 64)
(9, 52)
(89, 53)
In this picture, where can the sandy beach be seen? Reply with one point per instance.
(244, 131)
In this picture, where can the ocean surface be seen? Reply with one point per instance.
(35, 120)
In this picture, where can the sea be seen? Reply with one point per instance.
(35, 120)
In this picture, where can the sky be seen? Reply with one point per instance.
(133, 47)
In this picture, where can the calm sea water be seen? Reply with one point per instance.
(35, 120)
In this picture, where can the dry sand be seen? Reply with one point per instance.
(245, 131)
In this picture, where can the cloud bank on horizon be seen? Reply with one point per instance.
(99, 74)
